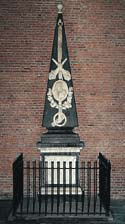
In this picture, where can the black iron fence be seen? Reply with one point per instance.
(61, 188)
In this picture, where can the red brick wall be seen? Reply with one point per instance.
(95, 32)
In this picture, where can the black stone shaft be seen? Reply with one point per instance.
(49, 111)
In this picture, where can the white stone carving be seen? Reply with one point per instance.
(60, 90)
(62, 73)
(66, 105)
(59, 119)
(63, 95)
(60, 8)
(60, 24)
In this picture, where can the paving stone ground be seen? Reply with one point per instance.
(117, 207)
(118, 211)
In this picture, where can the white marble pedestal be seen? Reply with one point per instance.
(61, 154)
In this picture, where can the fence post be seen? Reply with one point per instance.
(104, 183)
(108, 189)
(100, 182)
(17, 183)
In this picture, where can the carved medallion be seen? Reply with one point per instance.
(60, 90)
(63, 95)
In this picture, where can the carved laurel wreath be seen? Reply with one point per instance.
(66, 104)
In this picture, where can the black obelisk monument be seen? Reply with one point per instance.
(60, 143)
(60, 107)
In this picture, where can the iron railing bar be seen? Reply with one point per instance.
(49, 168)
(108, 190)
(58, 186)
(22, 169)
(89, 185)
(100, 185)
(70, 187)
(104, 188)
(40, 163)
(64, 189)
(95, 186)
(18, 169)
(52, 186)
(42, 182)
(34, 184)
(76, 187)
(83, 184)
(46, 187)
(28, 185)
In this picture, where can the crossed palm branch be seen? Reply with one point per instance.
(60, 71)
